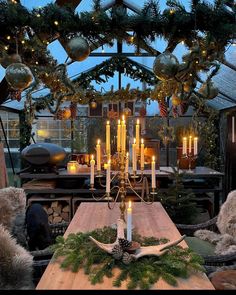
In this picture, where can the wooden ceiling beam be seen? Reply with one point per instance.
(72, 3)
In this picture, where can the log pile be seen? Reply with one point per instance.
(57, 212)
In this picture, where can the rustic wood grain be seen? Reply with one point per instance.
(148, 220)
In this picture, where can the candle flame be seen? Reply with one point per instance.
(138, 121)
(119, 122)
(98, 141)
(108, 122)
(153, 158)
(134, 140)
(129, 204)
(142, 141)
(109, 162)
(196, 138)
(127, 154)
(184, 138)
(123, 117)
(92, 157)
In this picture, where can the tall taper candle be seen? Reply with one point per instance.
(184, 151)
(190, 144)
(108, 177)
(233, 129)
(153, 172)
(98, 150)
(108, 138)
(137, 136)
(142, 155)
(123, 135)
(127, 166)
(92, 164)
(134, 159)
(118, 137)
(195, 147)
(129, 222)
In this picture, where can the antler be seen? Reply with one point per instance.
(120, 235)
(156, 250)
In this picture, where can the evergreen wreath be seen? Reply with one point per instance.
(79, 252)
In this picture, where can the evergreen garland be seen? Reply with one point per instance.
(80, 253)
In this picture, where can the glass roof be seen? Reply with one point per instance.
(225, 79)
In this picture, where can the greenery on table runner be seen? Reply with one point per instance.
(79, 252)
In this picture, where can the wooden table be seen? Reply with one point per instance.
(148, 220)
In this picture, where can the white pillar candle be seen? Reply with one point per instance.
(129, 222)
(137, 136)
(98, 150)
(127, 166)
(153, 172)
(118, 137)
(190, 144)
(108, 177)
(233, 129)
(108, 138)
(92, 164)
(195, 146)
(123, 136)
(184, 151)
(134, 160)
(142, 155)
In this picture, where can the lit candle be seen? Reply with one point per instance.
(137, 136)
(134, 156)
(72, 167)
(195, 146)
(142, 155)
(108, 177)
(123, 135)
(190, 144)
(153, 172)
(98, 149)
(233, 129)
(118, 137)
(129, 222)
(92, 164)
(108, 137)
(184, 151)
(127, 166)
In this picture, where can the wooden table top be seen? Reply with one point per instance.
(148, 220)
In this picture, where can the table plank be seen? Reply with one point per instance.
(148, 220)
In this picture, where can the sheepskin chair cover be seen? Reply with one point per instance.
(12, 212)
(16, 263)
(226, 222)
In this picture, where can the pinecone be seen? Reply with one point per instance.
(163, 109)
(73, 109)
(127, 258)
(125, 244)
(117, 252)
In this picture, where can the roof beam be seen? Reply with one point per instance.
(72, 3)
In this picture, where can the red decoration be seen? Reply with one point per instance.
(142, 112)
(175, 111)
(183, 108)
(163, 109)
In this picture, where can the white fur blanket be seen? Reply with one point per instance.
(225, 241)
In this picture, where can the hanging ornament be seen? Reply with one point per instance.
(18, 76)
(66, 113)
(15, 94)
(208, 90)
(163, 109)
(112, 114)
(175, 111)
(183, 108)
(142, 112)
(59, 115)
(175, 100)
(165, 66)
(78, 48)
(127, 112)
(93, 104)
(10, 59)
(73, 110)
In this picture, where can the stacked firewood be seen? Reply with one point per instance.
(57, 212)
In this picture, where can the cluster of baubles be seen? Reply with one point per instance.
(177, 81)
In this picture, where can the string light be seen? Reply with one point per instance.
(36, 63)
(172, 11)
(182, 42)
(6, 47)
(56, 23)
(38, 15)
(23, 41)
(8, 37)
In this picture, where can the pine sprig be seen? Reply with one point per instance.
(78, 252)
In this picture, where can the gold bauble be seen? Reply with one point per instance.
(66, 114)
(93, 104)
(18, 76)
(165, 66)
(78, 48)
(175, 100)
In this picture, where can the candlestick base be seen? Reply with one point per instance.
(135, 176)
(134, 247)
(92, 188)
(99, 175)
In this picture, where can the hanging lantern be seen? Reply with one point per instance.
(208, 90)
(93, 104)
(78, 48)
(175, 100)
(10, 59)
(18, 76)
(127, 112)
(165, 66)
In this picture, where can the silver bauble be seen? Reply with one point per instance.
(78, 48)
(10, 59)
(209, 90)
(18, 76)
(165, 66)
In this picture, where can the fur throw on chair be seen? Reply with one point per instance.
(16, 264)
(12, 212)
(225, 241)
